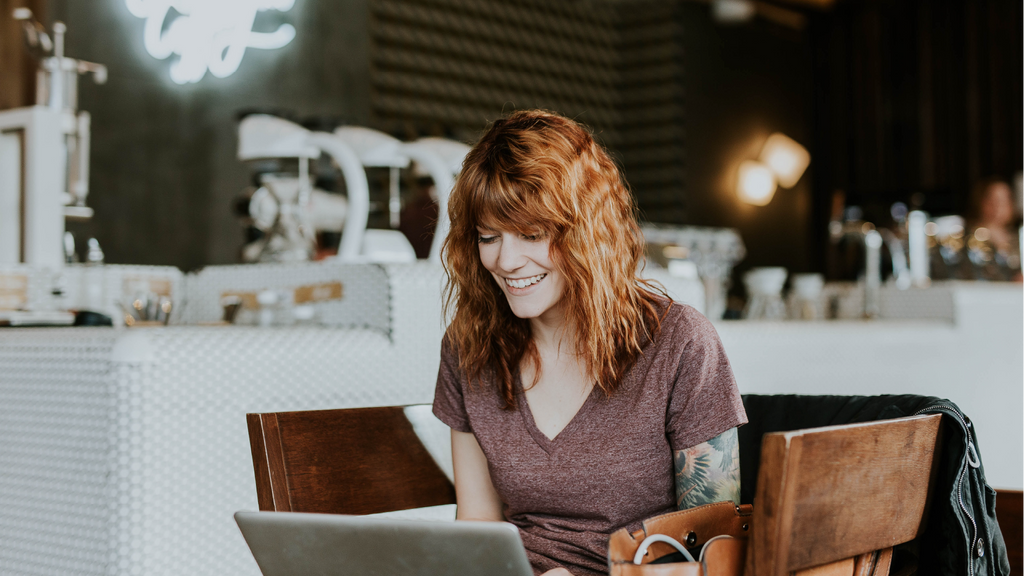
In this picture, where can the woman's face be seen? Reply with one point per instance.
(997, 206)
(523, 268)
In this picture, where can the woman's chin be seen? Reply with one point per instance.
(526, 312)
(546, 312)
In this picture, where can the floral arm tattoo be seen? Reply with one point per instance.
(709, 472)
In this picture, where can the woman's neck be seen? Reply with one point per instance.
(551, 329)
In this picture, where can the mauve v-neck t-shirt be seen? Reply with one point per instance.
(611, 466)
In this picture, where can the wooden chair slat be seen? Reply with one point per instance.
(1010, 515)
(826, 494)
(353, 461)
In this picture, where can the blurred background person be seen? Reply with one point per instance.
(993, 241)
(419, 214)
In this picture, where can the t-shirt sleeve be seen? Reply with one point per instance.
(449, 403)
(705, 400)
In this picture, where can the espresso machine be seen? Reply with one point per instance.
(288, 209)
(44, 154)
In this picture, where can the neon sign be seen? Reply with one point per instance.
(207, 34)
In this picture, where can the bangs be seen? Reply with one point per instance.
(502, 204)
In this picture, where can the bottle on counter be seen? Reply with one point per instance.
(917, 248)
(764, 290)
(805, 299)
(93, 293)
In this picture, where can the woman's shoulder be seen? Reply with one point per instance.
(453, 366)
(448, 342)
(679, 315)
(682, 322)
(450, 351)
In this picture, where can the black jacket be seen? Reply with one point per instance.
(962, 536)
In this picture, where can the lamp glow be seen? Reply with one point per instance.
(207, 34)
(786, 158)
(756, 183)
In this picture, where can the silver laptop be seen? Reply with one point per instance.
(297, 544)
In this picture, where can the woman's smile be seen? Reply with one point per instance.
(522, 286)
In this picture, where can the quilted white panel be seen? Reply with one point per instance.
(126, 452)
(56, 414)
(365, 302)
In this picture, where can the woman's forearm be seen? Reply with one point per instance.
(474, 493)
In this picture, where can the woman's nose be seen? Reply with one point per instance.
(510, 255)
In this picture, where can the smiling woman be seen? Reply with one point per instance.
(521, 265)
(581, 400)
(538, 195)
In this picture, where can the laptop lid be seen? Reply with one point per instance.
(297, 544)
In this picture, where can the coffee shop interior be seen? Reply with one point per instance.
(229, 207)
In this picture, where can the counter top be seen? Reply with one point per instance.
(977, 361)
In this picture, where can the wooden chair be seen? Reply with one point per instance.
(829, 501)
(354, 461)
(835, 500)
(1010, 515)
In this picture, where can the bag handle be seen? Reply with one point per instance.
(642, 550)
(707, 545)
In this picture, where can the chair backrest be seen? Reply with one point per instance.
(351, 461)
(1010, 515)
(832, 494)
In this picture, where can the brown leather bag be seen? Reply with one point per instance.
(720, 528)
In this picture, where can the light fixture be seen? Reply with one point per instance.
(207, 34)
(732, 11)
(786, 158)
(756, 183)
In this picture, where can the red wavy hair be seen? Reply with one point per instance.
(537, 171)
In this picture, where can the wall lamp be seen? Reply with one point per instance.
(782, 163)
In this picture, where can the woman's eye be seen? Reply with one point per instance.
(533, 237)
(486, 239)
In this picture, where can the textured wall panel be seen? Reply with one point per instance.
(453, 65)
(492, 57)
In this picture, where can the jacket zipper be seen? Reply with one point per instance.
(960, 479)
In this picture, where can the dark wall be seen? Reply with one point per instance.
(164, 171)
(17, 69)
(915, 101)
(743, 83)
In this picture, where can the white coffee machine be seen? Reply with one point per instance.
(289, 210)
(44, 154)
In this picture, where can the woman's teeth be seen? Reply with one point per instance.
(524, 282)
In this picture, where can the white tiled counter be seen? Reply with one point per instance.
(977, 361)
(125, 451)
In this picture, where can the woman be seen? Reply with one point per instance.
(993, 247)
(580, 401)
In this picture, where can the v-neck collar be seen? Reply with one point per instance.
(550, 444)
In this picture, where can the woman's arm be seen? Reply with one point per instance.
(474, 493)
(709, 472)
